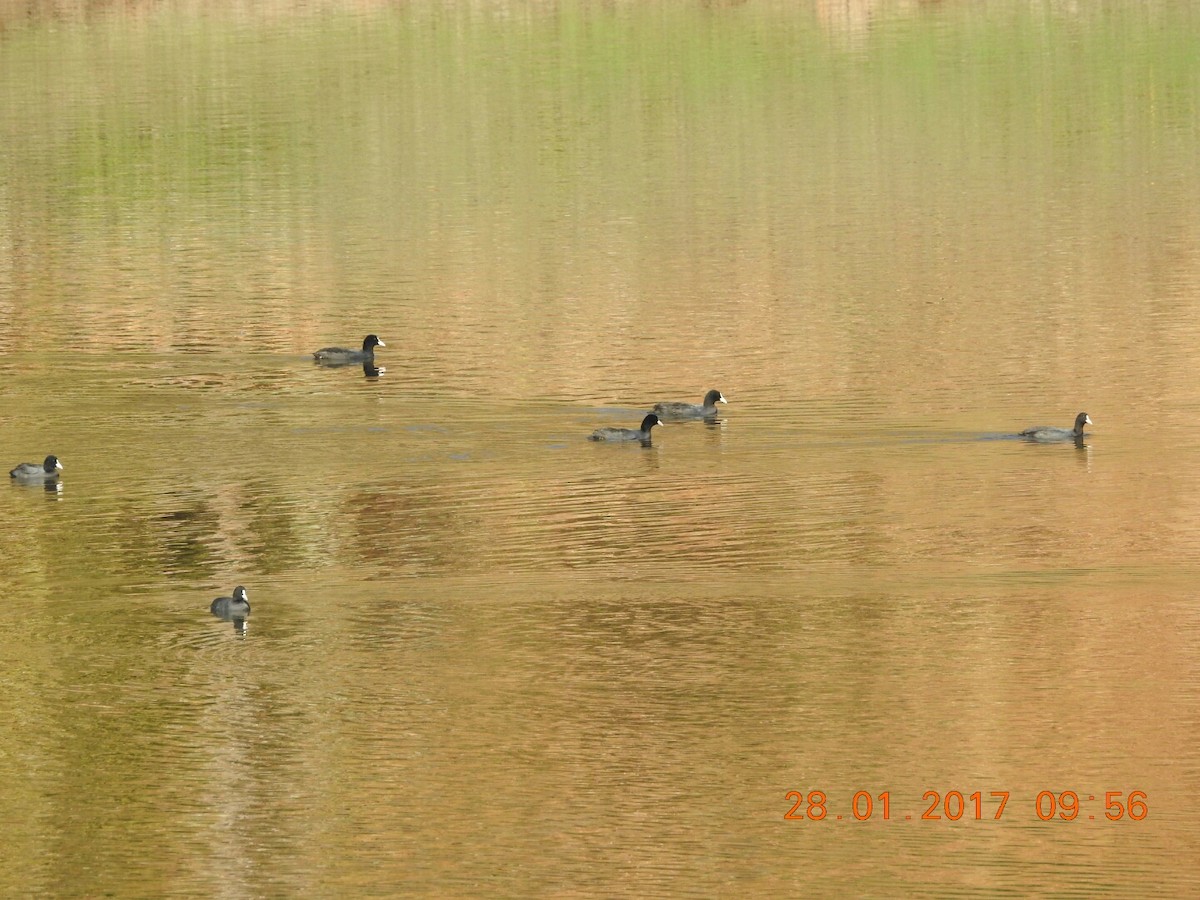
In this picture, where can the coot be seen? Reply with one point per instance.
(235, 607)
(48, 469)
(627, 434)
(1045, 433)
(340, 356)
(707, 409)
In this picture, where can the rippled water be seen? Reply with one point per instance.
(489, 657)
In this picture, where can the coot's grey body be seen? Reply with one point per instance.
(340, 356)
(235, 607)
(35, 471)
(627, 434)
(1046, 433)
(704, 410)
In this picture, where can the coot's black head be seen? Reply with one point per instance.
(239, 593)
(712, 398)
(371, 341)
(1081, 420)
(51, 464)
(649, 422)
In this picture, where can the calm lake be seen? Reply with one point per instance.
(489, 657)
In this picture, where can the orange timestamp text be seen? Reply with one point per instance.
(815, 806)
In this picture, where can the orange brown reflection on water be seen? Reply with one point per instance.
(490, 656)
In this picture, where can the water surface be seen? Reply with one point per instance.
(487, 656)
